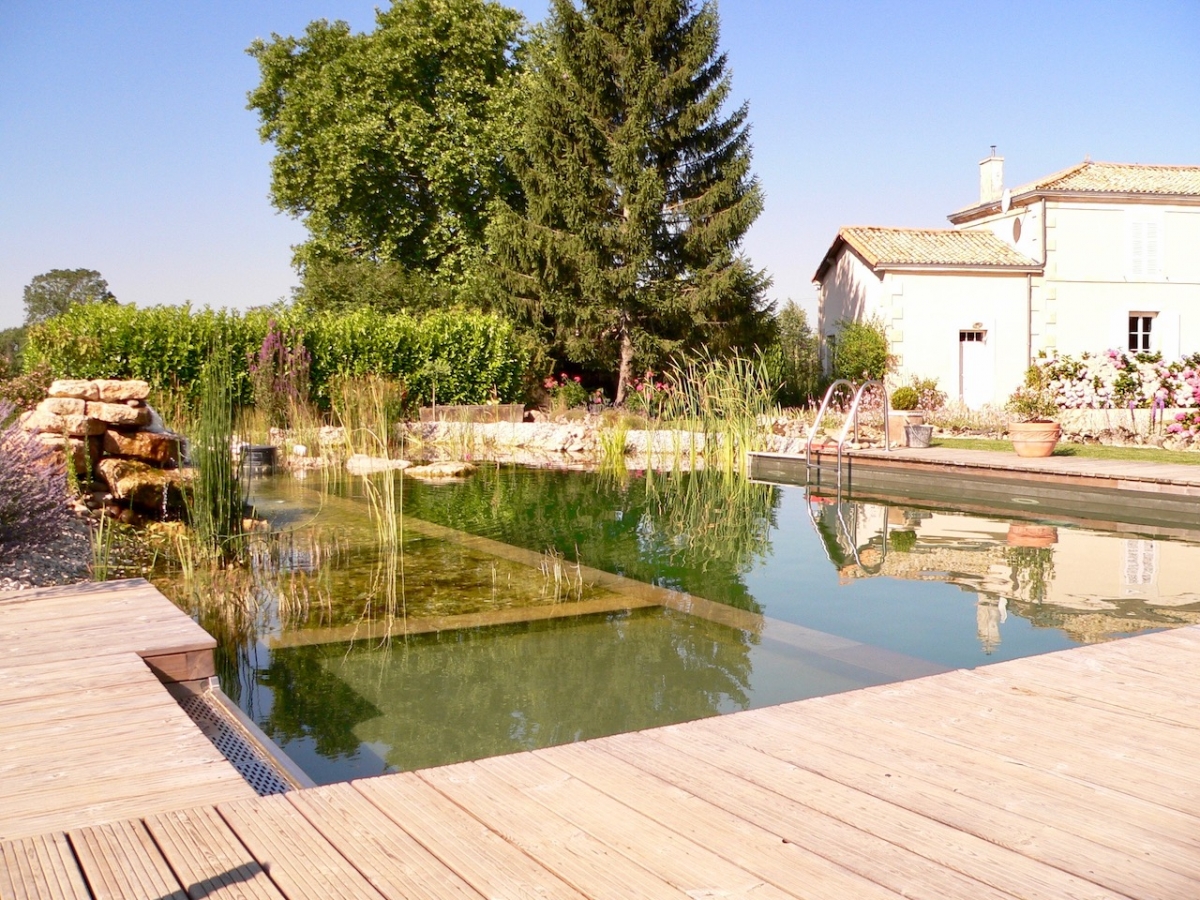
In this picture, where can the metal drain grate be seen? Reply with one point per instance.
(252, 764)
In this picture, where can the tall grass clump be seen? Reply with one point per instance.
(216, 508)
(33, 487)
(724, 399)
(367, 408)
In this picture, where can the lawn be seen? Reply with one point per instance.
(1083, 451)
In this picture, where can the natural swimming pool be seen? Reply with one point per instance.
(480, 635)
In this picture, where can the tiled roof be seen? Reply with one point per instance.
(1120, 178)
(884, 247)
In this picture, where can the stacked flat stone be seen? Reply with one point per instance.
(106, 429)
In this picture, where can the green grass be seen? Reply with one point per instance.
(1083, 451)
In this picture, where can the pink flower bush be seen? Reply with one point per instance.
(1118, 380)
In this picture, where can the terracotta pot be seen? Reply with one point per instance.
(897, 419)
(1020, 535)
(1034, 439)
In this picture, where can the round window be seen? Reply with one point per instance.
(1016, 230)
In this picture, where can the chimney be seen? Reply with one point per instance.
(991, 178)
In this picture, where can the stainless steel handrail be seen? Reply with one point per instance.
(852, 418)
(812, 430)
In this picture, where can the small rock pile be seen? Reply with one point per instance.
(105, 430)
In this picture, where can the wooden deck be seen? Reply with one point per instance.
(88, 732)
(1066, 775)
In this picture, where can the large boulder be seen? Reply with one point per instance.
(139, 484)
(63, 406)
(113, 391)
(75, 452)
(159, 448)
(119, 414)
(78, 388)
(361, 464)
(51, 423)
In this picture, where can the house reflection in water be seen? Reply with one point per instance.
(1095, 585)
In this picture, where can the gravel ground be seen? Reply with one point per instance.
(65, 560)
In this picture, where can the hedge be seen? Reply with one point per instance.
(471, 356)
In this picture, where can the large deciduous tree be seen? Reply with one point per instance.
(636, 188)
(391, 144)
(58, 290)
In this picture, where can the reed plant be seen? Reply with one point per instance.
(367, 409)
(217, 503)
(723, 399)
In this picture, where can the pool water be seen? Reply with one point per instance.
(496, 624)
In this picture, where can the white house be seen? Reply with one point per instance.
(1098, 256)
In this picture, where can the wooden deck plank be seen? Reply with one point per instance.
(812, 856)
(860, 808)
(121, 862)
(1045, 794)
(40, 868)
(670, 854)
(32, 681)
(494, 867)
(207, 858)
(635, 769)
(1129, 758)
(1119, 871)
(396, 864)
(301, 863)
(571, 853)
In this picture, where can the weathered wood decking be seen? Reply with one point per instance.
(1066, 775)
(88, 733)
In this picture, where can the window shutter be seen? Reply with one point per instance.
(1136, 248)
(1151, 267)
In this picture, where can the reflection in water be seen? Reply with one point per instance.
(490, 650)
(1093, 585)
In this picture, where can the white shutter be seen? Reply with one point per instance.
(1166, 323)
(1151, 256)
(1137, 249)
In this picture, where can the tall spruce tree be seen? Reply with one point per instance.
(637, 189)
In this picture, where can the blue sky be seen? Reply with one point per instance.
(125, 144)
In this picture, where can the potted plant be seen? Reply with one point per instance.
(903, 411)
(1034, 434)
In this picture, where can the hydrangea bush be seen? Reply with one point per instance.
(1119, 380)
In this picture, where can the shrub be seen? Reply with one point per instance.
(904, 398)
(928, 395)
(469, 357)
(279, 374)
(25, 391)
(565, 392)
(33, 487)
(860, 351)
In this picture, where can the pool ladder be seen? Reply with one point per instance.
(851, 419)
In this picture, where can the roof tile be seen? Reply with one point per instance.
(931, 247)
(1121, 178)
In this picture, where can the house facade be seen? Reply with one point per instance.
(1098, 256)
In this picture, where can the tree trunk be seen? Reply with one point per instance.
(624, 373)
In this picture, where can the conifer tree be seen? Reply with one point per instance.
(636, 188)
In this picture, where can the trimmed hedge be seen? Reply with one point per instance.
(469, 355)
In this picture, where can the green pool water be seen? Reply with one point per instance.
(494, 624)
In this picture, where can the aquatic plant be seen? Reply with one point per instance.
(217, 503)
(724, 399)
(279, 373)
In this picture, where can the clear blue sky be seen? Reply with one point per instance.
(125, 144)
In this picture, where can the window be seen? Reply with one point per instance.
(1140, 326)
(965, 337)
